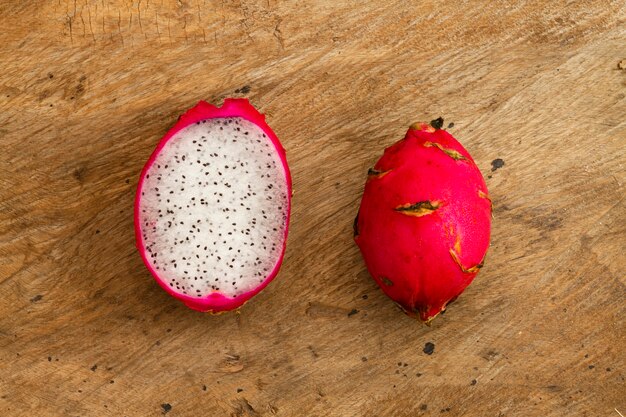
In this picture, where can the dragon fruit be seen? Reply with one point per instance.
(424, 221)
(212, 207)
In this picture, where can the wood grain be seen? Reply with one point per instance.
(87, 87)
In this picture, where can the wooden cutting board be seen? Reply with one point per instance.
(536, 92)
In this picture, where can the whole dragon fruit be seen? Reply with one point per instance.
(212, 206)
(424, 221)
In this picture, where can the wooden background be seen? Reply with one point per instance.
(87, 87)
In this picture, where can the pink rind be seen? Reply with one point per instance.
(232, 107)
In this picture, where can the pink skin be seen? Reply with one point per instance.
(232, 107)
(409, 256)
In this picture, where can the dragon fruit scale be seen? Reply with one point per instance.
(424, 222)
(212, 207)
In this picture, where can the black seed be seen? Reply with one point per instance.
(496, 164)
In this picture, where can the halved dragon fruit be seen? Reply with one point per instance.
(212, 206)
